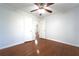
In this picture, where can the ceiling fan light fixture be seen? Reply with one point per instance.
(41, 11)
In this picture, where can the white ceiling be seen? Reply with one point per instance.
(56, 8)
(64, 7)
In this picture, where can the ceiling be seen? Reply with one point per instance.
(56, 8)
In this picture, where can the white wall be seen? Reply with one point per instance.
(63, 27)
(15, 27)
(41, 28)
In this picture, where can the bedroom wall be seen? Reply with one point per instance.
(41, 28)
(62, 27)
(16, 27)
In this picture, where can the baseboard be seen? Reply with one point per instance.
(13, 44)
(61, 42)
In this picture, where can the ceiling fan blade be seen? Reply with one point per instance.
(37, 4)
(34, 10)
(48, 4)
(48, 10)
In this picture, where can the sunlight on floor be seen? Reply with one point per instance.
(36, 43)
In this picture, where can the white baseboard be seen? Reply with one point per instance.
(62, 42)
(13, 44)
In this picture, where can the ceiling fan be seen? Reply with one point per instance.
(42, 6)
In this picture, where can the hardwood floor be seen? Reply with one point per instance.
(46, 48)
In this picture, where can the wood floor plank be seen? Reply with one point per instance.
(46, 48)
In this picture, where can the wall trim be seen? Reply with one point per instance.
(8, 46)
(61, 42)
